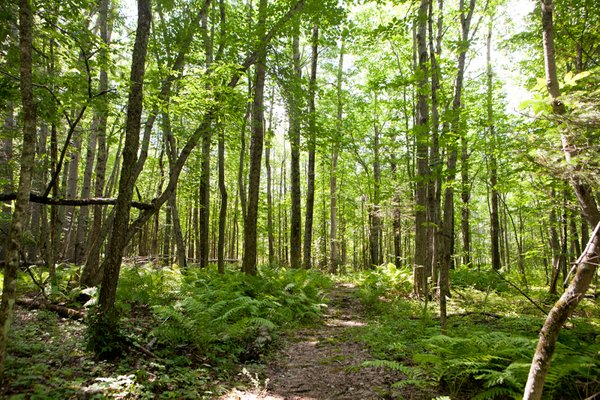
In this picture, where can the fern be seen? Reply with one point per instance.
(495, 392)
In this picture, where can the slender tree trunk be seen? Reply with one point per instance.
(15, 236)
(448, 221)
(434, 197)
(310, 190)
(269, 182)
(112, 264)
(375, 236)
(6, 152)
(494, 218)
(90, 268)
(83, 220)
(333, 254)
(465, 196)
(294, 106)
(223, 212)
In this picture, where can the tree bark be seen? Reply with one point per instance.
(294, 133)
(223, 211)
(9, 290)
(494, 217)
(112, 263)
(422, 156)
(310, 189)
(249, 264)
(586, 264)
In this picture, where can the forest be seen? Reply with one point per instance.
(307, 199)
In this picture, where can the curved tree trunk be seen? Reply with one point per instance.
(585, 266)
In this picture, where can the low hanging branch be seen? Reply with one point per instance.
(36, 198)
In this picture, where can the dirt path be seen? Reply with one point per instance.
(317, 363)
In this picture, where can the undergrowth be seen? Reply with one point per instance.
(491, 338)
(223, 310)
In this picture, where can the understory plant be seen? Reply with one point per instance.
(223, 310)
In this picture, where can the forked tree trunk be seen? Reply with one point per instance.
(15, 236)
(112, 263)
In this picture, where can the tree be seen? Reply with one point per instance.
(112, 263)
(585, 267)
(9, 290)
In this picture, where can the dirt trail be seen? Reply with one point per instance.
(316, 363)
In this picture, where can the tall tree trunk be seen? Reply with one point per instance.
(422, 155)
(90, 268)
(223, 211)
(447, 233)
(112, 263)
(15, 236)
(434, 187)
(333, 253)
(375, 217)
(294, 133)
(256, 148)
(312, 128)
(494, 217)
(585, 266)
(268, 139)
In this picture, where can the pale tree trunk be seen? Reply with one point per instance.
(333, 253)
(422, 155)
(112, 263)
(256, 148)
(494, 217)
(310, 190)
(374, 214)
(6, 151)
(15, 236)
(586, 265)
(465, 196)
(90, 268)
(70, 212)
(83, 219)
(295, 96)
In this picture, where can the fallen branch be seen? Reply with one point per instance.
(61, 310)
(36, 198)
(520, 291)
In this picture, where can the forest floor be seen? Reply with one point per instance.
(323, 362)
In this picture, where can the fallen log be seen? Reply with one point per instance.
(60, 310)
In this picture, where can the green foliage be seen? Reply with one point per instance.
(500, 362)
(147, 284)
(223, 310)
(103, 336)
(480, 280)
